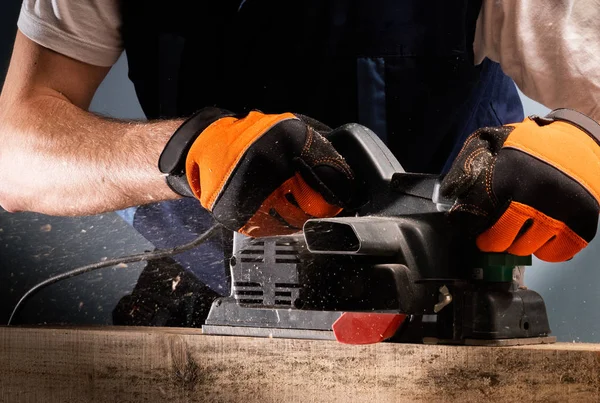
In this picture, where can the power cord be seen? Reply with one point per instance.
(157, 254)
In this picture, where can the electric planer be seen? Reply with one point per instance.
(393, 269)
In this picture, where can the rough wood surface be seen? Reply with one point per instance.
(182, 365)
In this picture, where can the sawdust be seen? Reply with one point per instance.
(46, 228)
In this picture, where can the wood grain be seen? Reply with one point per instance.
(182, 365)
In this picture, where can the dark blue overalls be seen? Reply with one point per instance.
(404, 68)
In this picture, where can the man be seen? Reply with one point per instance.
(420, 74)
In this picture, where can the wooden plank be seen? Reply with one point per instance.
(182, 365)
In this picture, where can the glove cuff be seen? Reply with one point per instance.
(172, 159)
(179, 184)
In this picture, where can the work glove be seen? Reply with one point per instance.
(530, 187)
(258, 174)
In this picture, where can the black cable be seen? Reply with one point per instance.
(157, 254)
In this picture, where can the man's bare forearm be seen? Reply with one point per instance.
(58, 159)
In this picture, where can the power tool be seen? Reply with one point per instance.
(394, 268)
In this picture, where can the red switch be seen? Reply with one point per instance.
(366, 328)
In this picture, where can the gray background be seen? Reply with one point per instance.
(33, 246)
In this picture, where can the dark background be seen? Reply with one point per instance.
(34, 247)
(8, 16)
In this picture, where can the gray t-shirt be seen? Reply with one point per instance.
(85, 30)
(550, 48)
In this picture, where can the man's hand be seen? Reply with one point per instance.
(258, 174)
(530, 187)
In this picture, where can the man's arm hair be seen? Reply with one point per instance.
(57, 158)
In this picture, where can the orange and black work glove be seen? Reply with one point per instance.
(258, 174)
(530, 187)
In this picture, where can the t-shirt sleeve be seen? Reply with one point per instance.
(551, 49)
(85, 30)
